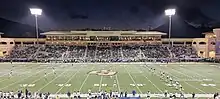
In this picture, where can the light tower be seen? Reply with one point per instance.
(36, 12)
(170, 13)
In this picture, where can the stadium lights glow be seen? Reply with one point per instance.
(170, 12)
(36, 11)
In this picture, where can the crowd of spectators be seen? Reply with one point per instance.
(51, 51)
(183, 51)
(91, 52)
(102, 54)
(25, 51)
(116, 53)
(155, 51)
(76, 52)
(131, 52)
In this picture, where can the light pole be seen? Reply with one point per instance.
(170, 13)
(36, 12)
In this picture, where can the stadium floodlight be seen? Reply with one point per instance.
(170, 13)
(36, 12)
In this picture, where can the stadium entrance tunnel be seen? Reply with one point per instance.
(103, 72)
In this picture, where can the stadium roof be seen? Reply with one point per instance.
(102, 33)
(193, 16)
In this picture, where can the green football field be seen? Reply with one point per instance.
(194, 77)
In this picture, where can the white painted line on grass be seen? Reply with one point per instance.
(13, 76)
(33, 82)
(198, 75)
(21, 80)
(85, 81)
(7, 73)
(118, 85)
(116, 76)
(133, 81)
(150, 81)
(100, 83)
(51, 81)
(185, 81)
(69, 80)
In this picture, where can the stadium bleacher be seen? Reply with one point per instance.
(101, 54)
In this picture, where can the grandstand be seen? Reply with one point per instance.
(111, 61)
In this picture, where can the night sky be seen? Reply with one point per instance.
(192, 18)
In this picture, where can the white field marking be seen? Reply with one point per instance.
(33, 82)
(200, 76)
(22, 79)
(96, 85)
(214, 66)
(10, 71)
(116, 76)
(23, 73)
(69, 80)
(16, 71)
(14, 76)
(195, 72)
(185, 81)
(20, 71)
(133, 81)
(100, 83)
(119, 89)
(150, 81)
(51, 81)
(85, 80)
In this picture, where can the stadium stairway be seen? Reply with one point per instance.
(171, 54)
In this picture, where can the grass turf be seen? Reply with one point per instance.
(194, 77)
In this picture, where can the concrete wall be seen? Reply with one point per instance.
(6, 45)
(217, 44)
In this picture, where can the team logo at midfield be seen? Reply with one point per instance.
(103, 72)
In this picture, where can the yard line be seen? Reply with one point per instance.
(200, 76)
(195, 72)
(119, 89)
(15, 69)
(116, 76)
(150, 81)
(100, 83)
(21, 79)
(21, 74)
(85, 80)
(133, 80)
(38, 78)
(69, 80)
(13, 76)
(52, 81)
(185, 81)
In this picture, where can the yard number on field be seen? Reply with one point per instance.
(27, 85)
(139, 85)
(206, 85)
(61, 85)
